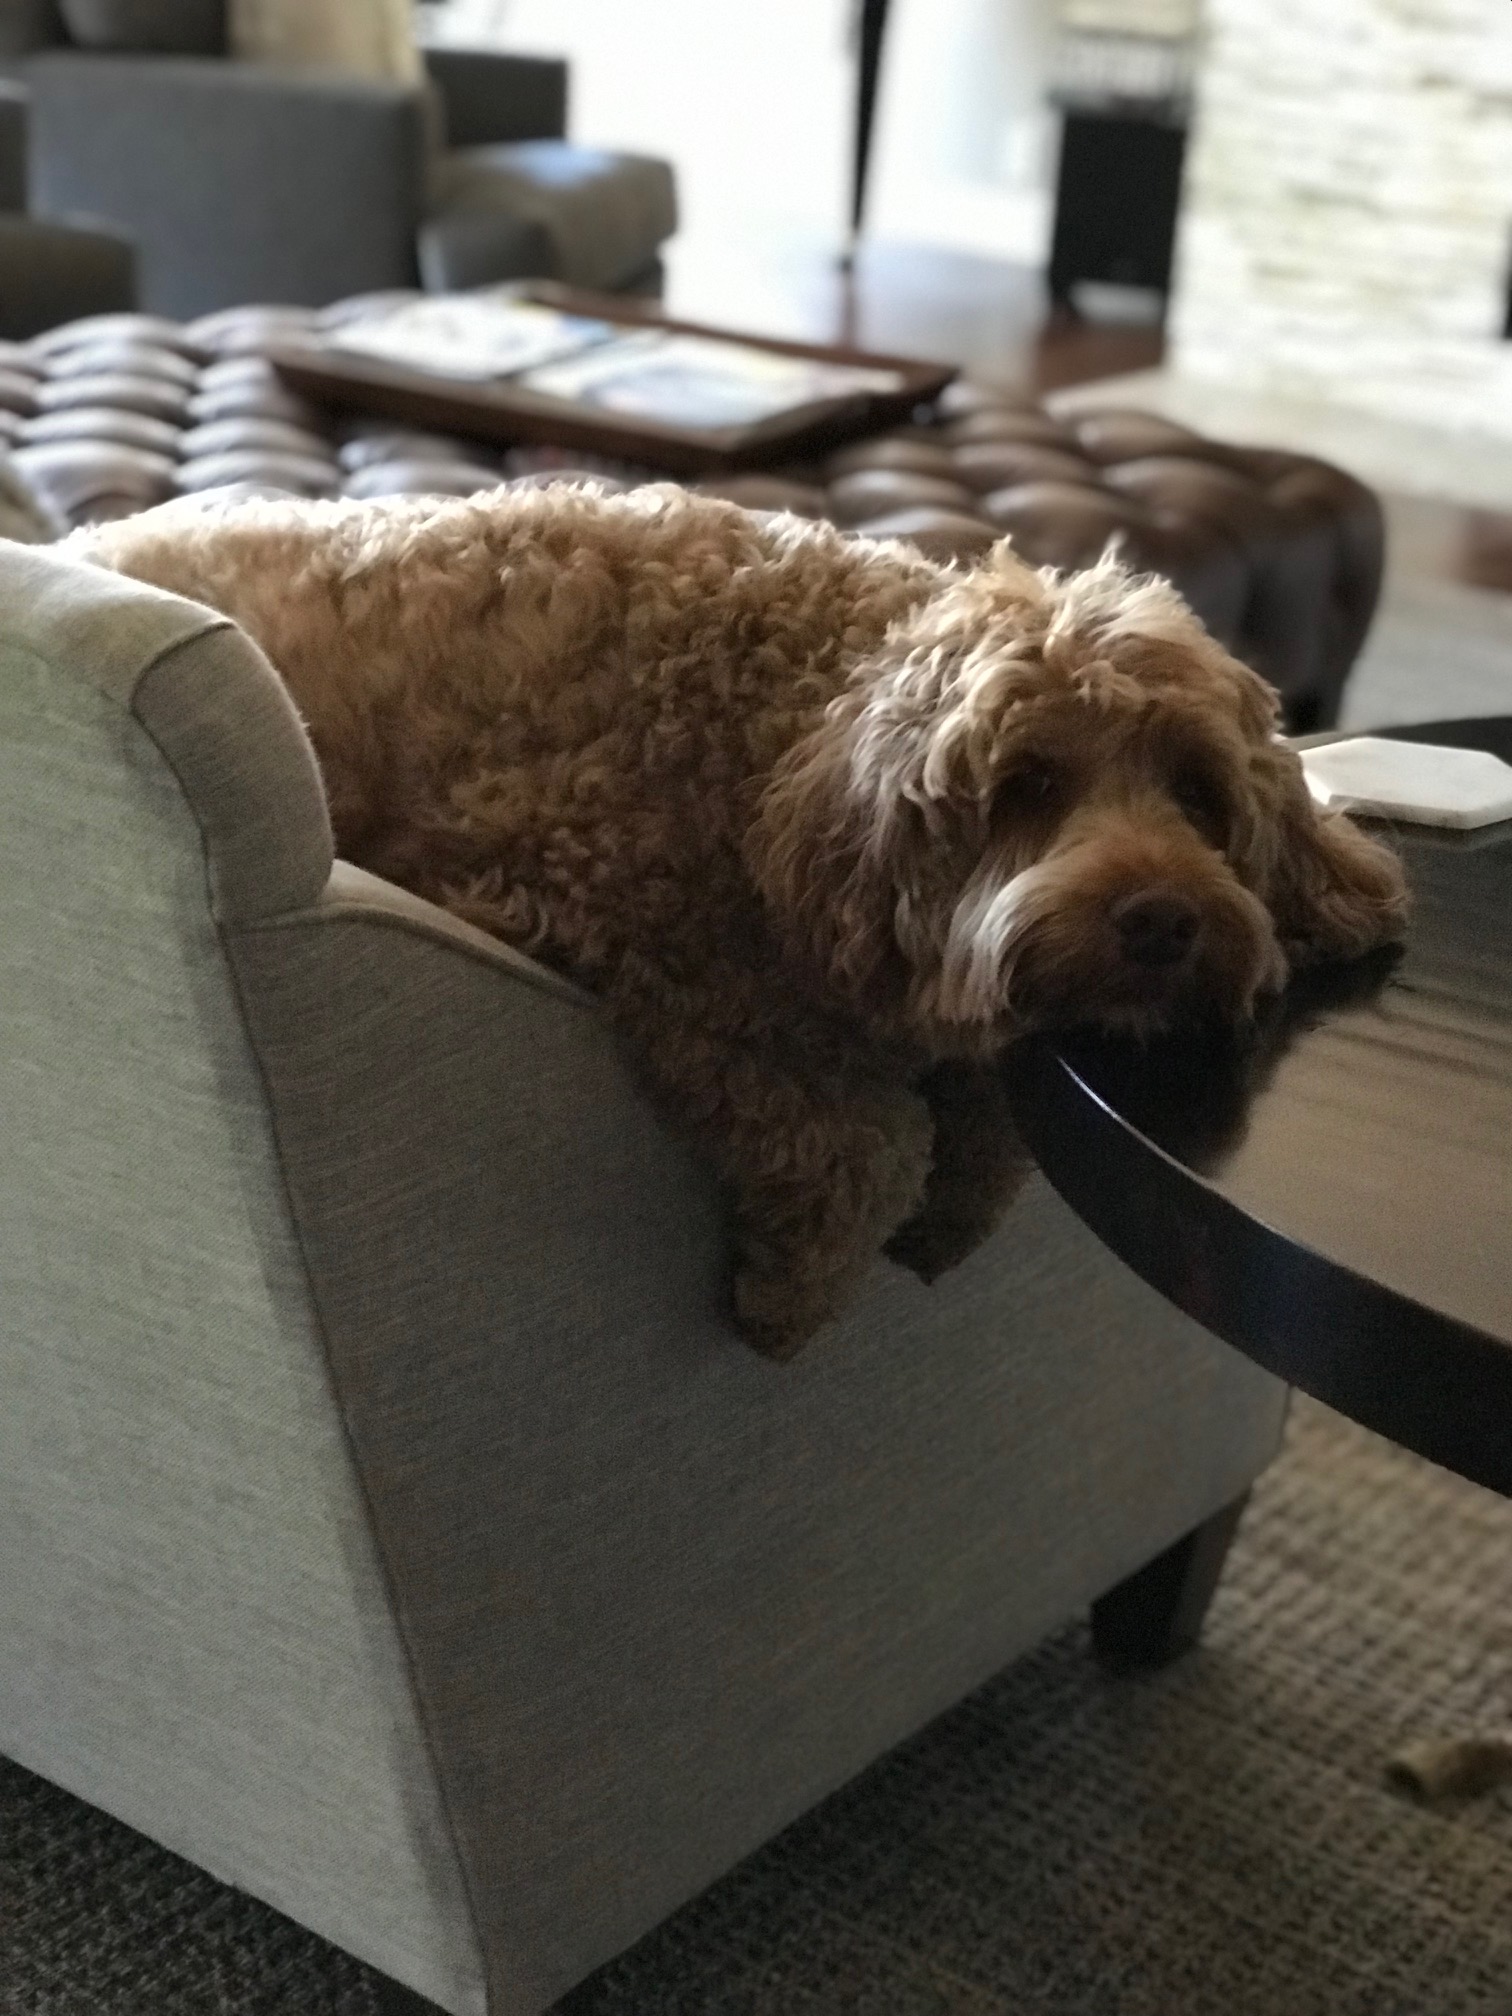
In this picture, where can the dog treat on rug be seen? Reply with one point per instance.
(1453, 1767)
(826, 823)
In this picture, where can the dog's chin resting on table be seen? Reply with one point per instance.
(827, 824)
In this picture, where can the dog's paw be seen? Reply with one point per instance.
(773, 1314)
(931, 1245)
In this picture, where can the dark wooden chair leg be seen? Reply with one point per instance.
(390, 1998)
(1156, 1613)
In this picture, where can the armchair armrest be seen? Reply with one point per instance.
(52, 273)
(13, 102)
(238, 183)
(629, 1553)
(479, 248)
(491, 97)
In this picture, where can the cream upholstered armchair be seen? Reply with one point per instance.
(392, 1523)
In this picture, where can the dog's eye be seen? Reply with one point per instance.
(1029, 787)
(1203, 801)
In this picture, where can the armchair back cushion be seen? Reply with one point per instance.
(359, 38)
(237, 183)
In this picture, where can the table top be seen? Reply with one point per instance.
(1336, 1199)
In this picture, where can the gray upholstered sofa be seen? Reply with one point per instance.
(391, 1523)
(238, 182)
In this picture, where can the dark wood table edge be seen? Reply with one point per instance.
(1375, 1354)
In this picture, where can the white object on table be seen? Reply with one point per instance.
(1416, 781)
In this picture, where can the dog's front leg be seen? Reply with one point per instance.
(979, 1167)
(820, 1182)
(824, 1154)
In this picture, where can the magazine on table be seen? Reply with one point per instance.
(477, 336)
(653, 374)
(700, 381)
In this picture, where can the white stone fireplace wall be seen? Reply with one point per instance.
(1346, 232)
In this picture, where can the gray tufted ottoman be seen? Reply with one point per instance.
(1279, 554)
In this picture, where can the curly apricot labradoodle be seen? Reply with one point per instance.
(826, 824)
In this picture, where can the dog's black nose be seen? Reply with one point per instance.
(1158, 927)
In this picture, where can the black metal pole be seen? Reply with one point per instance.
(873, 26)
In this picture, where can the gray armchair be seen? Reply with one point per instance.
(392, 1522)
(240, 183)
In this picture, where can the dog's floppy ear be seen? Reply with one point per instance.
(855, 844)
(1333, 891)
(824, 851)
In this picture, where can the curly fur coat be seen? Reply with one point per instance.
(827, 824)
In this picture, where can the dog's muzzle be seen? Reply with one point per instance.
(1056, 947)
(1157, 929)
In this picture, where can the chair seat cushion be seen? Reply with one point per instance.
(604, 214)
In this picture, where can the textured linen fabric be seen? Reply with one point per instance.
(236, 182)
(214, 709)
(361, 38)
(604, 214)
(660, 1595)
(222, 719)
(193, 1628)
(657, 1595)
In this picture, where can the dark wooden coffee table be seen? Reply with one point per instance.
(1337, 1200)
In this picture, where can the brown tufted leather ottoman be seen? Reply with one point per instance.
(1279, 554)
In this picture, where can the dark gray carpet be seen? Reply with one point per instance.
(1215, 1840)
(1437, 650)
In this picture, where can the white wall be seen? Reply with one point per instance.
(754, 103)
(965, 151)
(749, 101)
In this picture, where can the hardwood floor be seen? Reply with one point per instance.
(1438, 541)
(1487, 550)
(988, 316)
(993, 319)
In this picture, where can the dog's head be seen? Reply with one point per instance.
(1053, 799)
